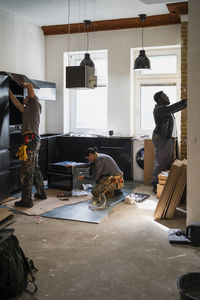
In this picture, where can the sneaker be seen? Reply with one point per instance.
(22, 203)
(41, 197)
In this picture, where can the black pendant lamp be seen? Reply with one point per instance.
(142, 62)
(87, 60)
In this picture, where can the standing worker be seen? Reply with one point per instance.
(30, 170)
(164, 133)
(104, 171)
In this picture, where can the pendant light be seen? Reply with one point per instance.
(142, 62)
(87, 60)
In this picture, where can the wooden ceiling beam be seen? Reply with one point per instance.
(178, 8)
(117, 24)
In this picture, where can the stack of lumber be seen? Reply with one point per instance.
(162, 179)
(172, 191)
(6, 217)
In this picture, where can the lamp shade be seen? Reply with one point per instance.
(87, 61)
(142, 62)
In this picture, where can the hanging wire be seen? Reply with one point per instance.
(79, 18)
(142, 37)
(68, 31)
(142, 19)
(94, 24)
(87, 40)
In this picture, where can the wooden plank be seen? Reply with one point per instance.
(148, 161)
(117, 24)
(160, 189)
(178, 8)
(6, 217)
(178, 192)
(168, 190)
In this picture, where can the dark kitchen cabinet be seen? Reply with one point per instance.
(4, 138)
(4, 184)
(72, 149)
(43, 157)
(15, 182)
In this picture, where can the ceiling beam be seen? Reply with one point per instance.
(179, 8)
(117, 24)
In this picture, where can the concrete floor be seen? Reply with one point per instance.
(125, 257)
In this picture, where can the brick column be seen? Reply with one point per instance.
(184, 42)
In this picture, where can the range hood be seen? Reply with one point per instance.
(17, 79)
(81, 77)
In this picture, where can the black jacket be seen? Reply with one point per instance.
(164, 120)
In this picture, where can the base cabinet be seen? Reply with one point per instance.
(4, 184)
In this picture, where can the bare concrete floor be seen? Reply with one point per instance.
(125, 257)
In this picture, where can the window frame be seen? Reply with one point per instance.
(73, 56)
(154, 79)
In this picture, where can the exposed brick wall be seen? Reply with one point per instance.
(184, 41)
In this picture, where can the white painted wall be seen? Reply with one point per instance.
(118, 43)
(22, 50)
(193, 197)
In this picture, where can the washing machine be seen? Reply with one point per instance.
(138, 159)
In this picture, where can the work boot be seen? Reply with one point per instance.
(42, 196)
(22, 203)
(155, 188)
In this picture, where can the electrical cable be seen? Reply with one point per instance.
(68, 31)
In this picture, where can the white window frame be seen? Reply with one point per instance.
(154, 79)
(73, 56)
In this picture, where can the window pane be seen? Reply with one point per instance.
(147, 103)
(91, 104)
(100, 69)
(91, 108)
(162, 64)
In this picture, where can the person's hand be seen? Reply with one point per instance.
(81, 177)
(25, 84)
(68, 166)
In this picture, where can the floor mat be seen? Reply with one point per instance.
(82, 213)
(49, 204)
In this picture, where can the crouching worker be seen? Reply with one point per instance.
(28, 152)
(104, 171)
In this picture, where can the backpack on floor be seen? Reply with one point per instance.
(15, 268)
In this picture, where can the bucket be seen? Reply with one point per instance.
(189, 286)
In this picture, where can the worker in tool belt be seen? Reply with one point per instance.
(30, 170)
(164, 133)
(104, 171)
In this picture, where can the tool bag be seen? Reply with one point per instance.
(15, 269)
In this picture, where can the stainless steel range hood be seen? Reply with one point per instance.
(17, 79)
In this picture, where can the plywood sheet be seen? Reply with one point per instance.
(148, 161)
(52, 202)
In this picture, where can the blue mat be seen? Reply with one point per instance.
(82, 213)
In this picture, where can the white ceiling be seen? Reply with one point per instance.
(52, 12)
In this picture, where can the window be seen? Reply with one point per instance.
(163, 76)
(89, 106)
(147, 103)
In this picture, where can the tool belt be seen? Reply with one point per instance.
(32, 141)
(115, 179)
(22, 153)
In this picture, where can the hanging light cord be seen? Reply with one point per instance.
(94, 24)
(142, 37)
(87, 41)
(68, 31)
(142, 19)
